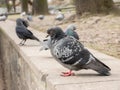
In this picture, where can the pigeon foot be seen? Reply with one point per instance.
(65, 74)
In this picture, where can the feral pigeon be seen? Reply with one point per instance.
(71, 31)
(29, 17)
(59, 17)
(45, 44)
(3, 17)
(23, 14)
(69, 52)
(41, 17)
(23, 33)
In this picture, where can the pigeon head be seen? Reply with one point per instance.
(56, 33)
(21, 22)
(71, 27)
(25, 23)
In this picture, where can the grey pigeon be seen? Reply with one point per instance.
(29, 17)
(23, 33)
(3, 17)
(69, 52)
(59, 17)
(41, 17)
(71, 31)
(46, 44)
(23, 14)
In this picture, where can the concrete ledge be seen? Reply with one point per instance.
(26, 68)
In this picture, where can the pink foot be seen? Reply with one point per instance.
(65, 74)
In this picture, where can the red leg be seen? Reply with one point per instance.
(65, 74)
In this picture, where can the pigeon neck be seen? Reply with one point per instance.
(58, 37)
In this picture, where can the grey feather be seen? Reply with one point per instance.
(71, 31)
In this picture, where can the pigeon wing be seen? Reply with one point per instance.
(67, 50)
(23, 32)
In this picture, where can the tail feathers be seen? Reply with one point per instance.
(103, 64)
(35, 38)
(100, 67)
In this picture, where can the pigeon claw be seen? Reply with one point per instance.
(65, 74)
(21, 44)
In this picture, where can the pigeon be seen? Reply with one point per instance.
(59, 17)
(23, 14)
(71, 31)
(41, 17)
(46, 44)
(29, 17)
(23, 33)
(3, 17)
(70, 53)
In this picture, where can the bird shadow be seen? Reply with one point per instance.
(28, 45)
(88, 75)
(48, 57)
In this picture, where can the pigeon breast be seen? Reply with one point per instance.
(68, 51)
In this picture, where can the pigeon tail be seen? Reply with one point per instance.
(99, 67)
(35, 38)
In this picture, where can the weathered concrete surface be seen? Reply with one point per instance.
(39, 71)
(116, 0)
(1, 77)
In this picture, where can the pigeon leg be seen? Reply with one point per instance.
(21, 42)
(24, 42)
(65, 74)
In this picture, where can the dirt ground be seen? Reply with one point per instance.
(100, 32)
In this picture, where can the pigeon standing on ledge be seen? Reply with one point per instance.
(23, 33)
(69, 52)
(71, 31)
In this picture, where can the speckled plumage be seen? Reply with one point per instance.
(69, 52)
